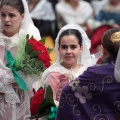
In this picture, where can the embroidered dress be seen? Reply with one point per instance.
(14, 102)
(93, 95)
(58, 76)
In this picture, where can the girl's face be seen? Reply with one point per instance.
(69, 49)
(11, 20)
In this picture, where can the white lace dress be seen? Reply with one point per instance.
(14, 102)
(58, 76)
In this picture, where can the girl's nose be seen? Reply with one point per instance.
(7, 18)
(68, 50)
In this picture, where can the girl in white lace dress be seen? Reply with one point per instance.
(14, 22)
(72, 58)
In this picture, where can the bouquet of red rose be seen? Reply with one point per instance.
(33, 58)
(42, 104)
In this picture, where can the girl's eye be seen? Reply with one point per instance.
(3, 15)
(11, 15)
(73, 46)
(64, 46)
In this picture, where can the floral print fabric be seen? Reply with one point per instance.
(94, 95)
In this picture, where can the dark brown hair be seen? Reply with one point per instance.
(17, 4)
(74, 32)
(111, 47)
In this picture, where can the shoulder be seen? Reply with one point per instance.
(54, 68)
(81, 69)
(100, 70)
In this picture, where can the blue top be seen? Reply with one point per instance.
(107, 16)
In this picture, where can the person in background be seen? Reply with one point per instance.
(43, 16)
(94, 94)
(72, 58)
(98, 5)
(96, 37)
(15, 21)
(110, 13)
(74, 11)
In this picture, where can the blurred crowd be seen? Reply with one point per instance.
(50, 15)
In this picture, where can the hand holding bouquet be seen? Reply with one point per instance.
(34, 58)
(42, 104)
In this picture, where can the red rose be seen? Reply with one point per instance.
(45, 58)
(36, 101)
(36, 45)
(44, 55)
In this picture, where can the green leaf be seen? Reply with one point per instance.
(48, 92)
(27, 36)
(45, 105)
(50, 50)
(39, 89)
(34, 54)
(28, 48)
(43, 40)
(32, 37)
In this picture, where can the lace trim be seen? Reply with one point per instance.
(16, 111)
(6, 86)
(56, 67)
(6, 78)
(9, 42)
(2, 43)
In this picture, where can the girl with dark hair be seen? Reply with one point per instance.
(72, 58)
(94, 94)
(15, 22)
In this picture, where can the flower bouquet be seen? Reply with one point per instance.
(32, 58)
(42, 104)
(35, 56)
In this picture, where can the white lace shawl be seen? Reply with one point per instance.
(57, 67)
(8, 43)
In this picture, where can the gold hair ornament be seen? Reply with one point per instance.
(115, 37)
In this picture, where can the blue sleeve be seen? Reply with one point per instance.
(100, 16)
